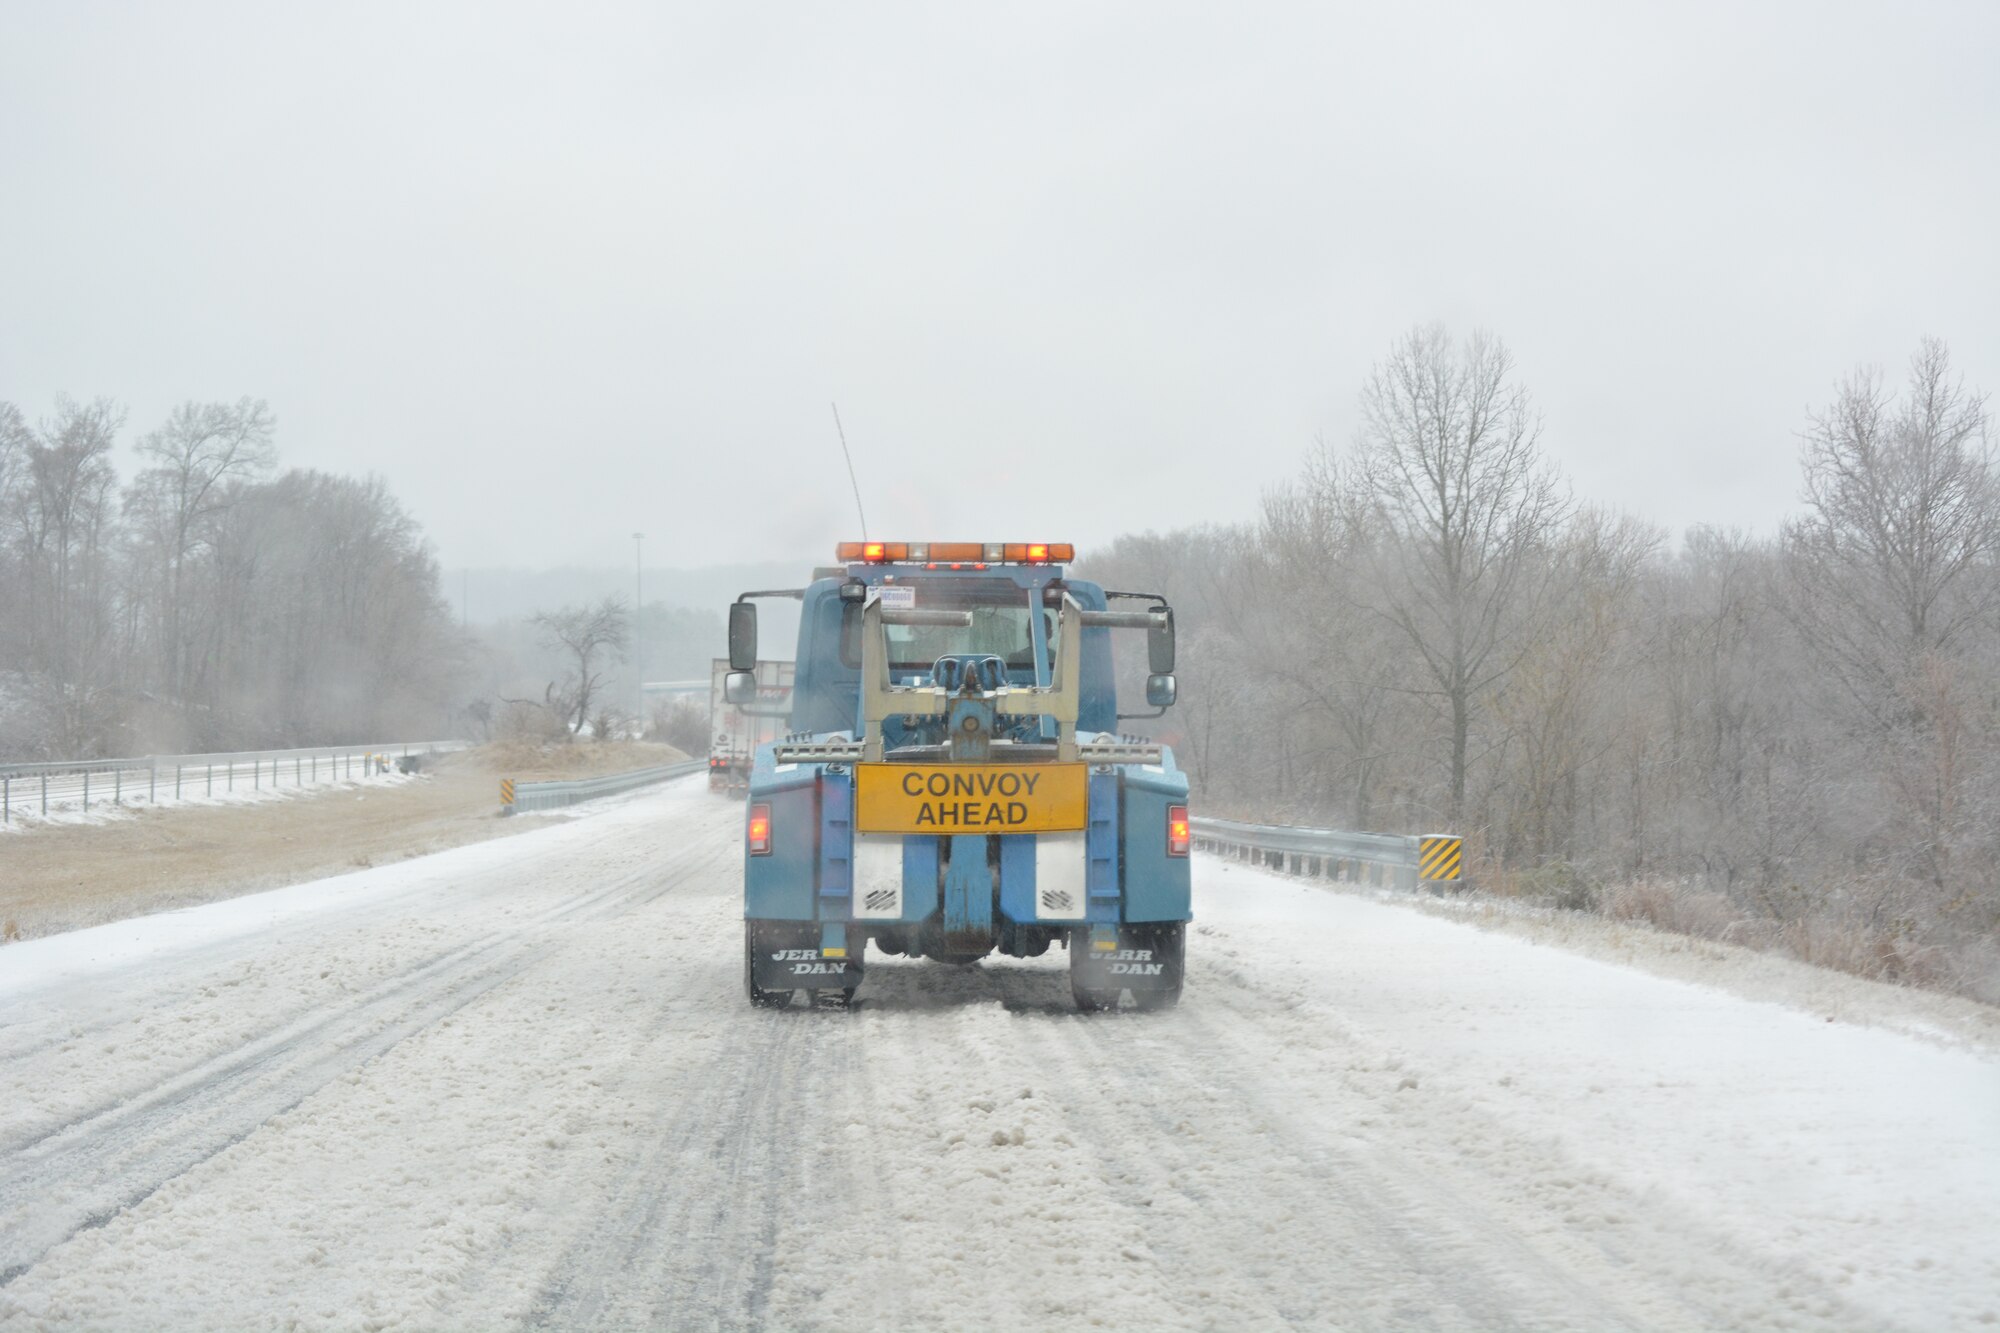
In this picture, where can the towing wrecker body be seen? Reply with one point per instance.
(953, 782)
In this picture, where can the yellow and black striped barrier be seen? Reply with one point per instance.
(1438, 856)
(506, 791)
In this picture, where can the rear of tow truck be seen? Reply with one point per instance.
(954, 784)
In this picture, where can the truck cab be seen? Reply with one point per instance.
(953, 782)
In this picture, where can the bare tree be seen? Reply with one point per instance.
(1894, 556)
(584, 633)
(1322, 651)
(63, 535)
(201, 450)
(15, 439)
(1895, 585)
(1556, 700)
(478, 715)
(1450, 458)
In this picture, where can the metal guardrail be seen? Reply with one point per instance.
(35, 788)
(1402, 861)
(523, 796)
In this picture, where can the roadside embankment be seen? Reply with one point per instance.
(139, 860)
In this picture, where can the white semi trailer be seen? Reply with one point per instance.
(735, 734)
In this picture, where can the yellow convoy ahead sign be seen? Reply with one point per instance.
(970, 798)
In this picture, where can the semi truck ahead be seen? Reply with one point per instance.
(735, 733)
(953, 782)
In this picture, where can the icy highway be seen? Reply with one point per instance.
(517, 1084)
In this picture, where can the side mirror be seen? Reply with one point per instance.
(743, 638)
(740, 687)
(1160, 646)
(1161, 690)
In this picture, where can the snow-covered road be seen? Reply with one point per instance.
(517, 1084)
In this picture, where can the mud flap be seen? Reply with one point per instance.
(804, 969)
(1141, 962)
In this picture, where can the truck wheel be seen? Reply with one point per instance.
(1092, 1001)
(1169, 945)
(763, 999)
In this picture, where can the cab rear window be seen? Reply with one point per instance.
(1000, 628)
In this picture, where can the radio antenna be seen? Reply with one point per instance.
(844, 453)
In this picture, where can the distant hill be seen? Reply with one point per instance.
(488, 596)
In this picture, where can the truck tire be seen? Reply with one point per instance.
(763, 999)
(1092, 1001)
(1169, 945)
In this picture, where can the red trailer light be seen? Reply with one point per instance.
(760, 830)
(1180, 835)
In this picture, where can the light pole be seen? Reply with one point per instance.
(638, 620)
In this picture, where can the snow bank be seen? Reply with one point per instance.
(1866, 1157)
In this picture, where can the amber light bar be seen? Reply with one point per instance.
(934, 553)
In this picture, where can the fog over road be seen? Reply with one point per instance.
(518, 1083)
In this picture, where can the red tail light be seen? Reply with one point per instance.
(760, 830)
(1180, 835)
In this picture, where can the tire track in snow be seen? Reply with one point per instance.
(105, 1161)
(1649, 1270)
(34, 1042)
(1399, 1263)
(689, 1239)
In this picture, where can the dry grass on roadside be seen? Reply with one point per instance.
(62, 877)
(1859, 948)
(1807, 928)
(1682, 910)
(526, 761)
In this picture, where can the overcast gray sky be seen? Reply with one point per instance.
(559, 272)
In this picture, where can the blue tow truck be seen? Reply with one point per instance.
(954, 782)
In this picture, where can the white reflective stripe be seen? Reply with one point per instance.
(1062, 868)
(878, 876)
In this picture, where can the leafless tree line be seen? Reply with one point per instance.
(211, 601)
(1795, 737)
